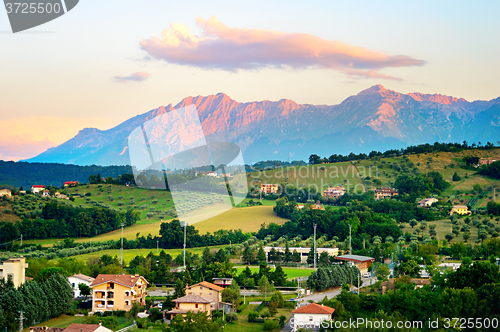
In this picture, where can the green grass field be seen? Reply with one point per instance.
(129, 254)
(291, 272)
(242, 325)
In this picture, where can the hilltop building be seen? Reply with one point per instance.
(71, 183)
(427, 202)
(117, 292)
(334, 192)
(15, 269)
(35, 189)
(385, 192)
(269, 188)
(460, 209)
(6, 192)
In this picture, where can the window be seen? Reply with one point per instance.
(196, 305)
(201, 288)
(73, 284)
(310, 318)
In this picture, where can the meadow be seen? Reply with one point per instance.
(291, 272)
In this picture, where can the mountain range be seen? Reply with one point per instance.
(374, 119)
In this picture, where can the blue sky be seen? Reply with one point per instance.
(87, 68)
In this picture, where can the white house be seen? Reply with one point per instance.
(427, 202)
(78, 279)
(310, 316)
(37, 188)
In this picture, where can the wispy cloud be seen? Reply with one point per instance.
(139, 76)
(231, 49)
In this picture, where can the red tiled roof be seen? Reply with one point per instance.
(208, 285)
(123, 279)
(83, 277)
(38, 186)
(314, 308)
(82, 328)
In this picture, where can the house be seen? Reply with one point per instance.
(71, 183)
(310, 316)
(427, 202)
(46, 193)
(269, 188)
(6, 192)
(77, 279)
(222, 282)
(460, 209)
(485, 162)
(61, 196)
(334, 192)
(361, 262)
(385, 192)
(316, 206)
(86, 328)
(208, 291)
(303, 251)
(35, 189)
(191, 302)
(117, 292)
(15, 269)
(390, 284)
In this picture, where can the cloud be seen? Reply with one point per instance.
(232, 49)
(139, 76)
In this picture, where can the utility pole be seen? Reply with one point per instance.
(21, 240)
(21, 321)
(121, 249)
(350, 246)
(157, 246)
(314, 252)
(184, 223)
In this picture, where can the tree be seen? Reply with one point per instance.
(261, 255)
(456, 177)
(279, 276)
(248, 255)
(296, 257)
(194, 322)
(288, 255)
(207, 256)
(411, 268)
(84, 290)
(180, 288)
(232, 295)
(449, 236)
(382, 272)
(413, 223)
(324, 259)
(466, 236)
(265, 287)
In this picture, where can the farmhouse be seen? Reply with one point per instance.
(71, 183)
(427, 202)
(191, 302)
(35, 189)
(316, 206)
(485, 162)
(77, 279)
(303, 251)
(334, 192)
(385, 192)
(5, 192)
(208, 291)
(310, 316)
(460, 209)
(361, 262)
(269, 188)
(14, 268)
(117, 292)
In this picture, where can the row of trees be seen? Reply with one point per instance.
(414, 149)
(333, 276)
(39, 301)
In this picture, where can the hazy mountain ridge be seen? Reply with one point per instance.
(374, 119)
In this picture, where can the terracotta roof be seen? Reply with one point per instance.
(82, 328)
(181, 312)
(314, 308)
(122, 279)
(38, 186)
(191, 298)
(46, 329)
(208, 285)
(83, 277)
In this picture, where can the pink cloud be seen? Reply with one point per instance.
(139, 76)
(221, 47)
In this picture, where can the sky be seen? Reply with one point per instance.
(107, 61)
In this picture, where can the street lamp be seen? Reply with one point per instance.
(184, 224)
(314, 252)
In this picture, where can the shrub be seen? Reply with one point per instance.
(264, 313)
(252, 315)
(271, 325)
(231, 317)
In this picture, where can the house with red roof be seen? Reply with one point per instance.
(208, 291)
(117, 292)
(35, 189)
(310, 316)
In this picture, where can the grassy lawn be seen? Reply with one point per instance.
(291, 272)
(248, 219)
(242, 325)
(320, 176)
